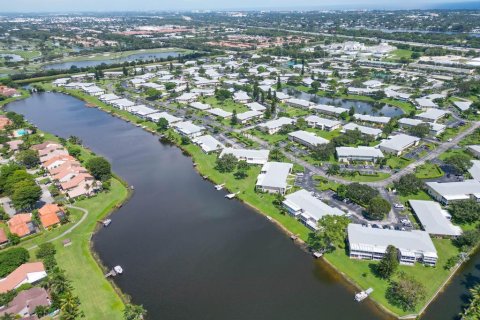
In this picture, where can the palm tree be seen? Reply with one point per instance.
(70, 307)
(134, 312)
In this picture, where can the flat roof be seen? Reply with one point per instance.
(322, 121)
(433, 218)
(311, 206)
(247, 153)
(475, 170)
(432, 114)
(456, 190)
(248, 115)
(360, 151)
(398, 142)
(220, 112)
(363, 129)
(308, 137)
(367, 239)
(188, 127)
(328, 108)
(158, 115)
(141, 110)
(274, 174)
(256, 106)
(273, 124)
(369, 118)
(208, 143)
(200, 106)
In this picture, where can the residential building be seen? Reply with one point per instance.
(432, 115)
(250, 156)
(217, 112)
(475, 170)
(308, 209)
(26, 302)
(308, 139)
(27, 273)
(50, 215)
(397, 144)
(374, 132)
(298, 103)
(21, 224)
(371, 244)
(247, 116)
(322, 123)
(329, 110)
(361, 153)
(273, 126)
(434, 219)
(200, 106)
(273, 177)
(208, 143)
(448, 192)
(374, 119)
(187, 97)
(158, 115)
(255, 106)
(241, 97)
(188, 129)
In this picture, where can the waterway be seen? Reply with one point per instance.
(186, 251)
(107, 60)
(360, 107)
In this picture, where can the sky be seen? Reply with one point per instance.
(168, 5)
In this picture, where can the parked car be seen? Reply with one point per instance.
(399, 206)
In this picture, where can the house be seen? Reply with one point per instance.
(82, 184)
(273, 126)
(432, 115)
(304, 206)
(374, 119)
(273, 177)
(50, 215)
(434, 219)
(298, 103)
(158, 115)
(21, 224)
(250, 156)
(447, 192)
(247, 116)
(94, 90)
(4, 121)
(374, 132)
(322, 123)
(8, 92)
(27, 273)
(397, 144)
(200, 106)
(57, 161)
(361, 153)
(188, 129)
(435, 128)
(217, 112)
(463, 105)
(26, 301)
(255, 106)
(329, 110)
(241, 97)
(14, 145)
(307, 139)
(208, 143)
(475, 170)
(141, 111)
(424, 103)
(187, 97)
(371, 244)
(475, 150)
(108, 97)
(122, 104)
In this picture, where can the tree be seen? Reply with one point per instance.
(389, 263)
(301, 123)
(421, 130)
(162, 125)
(467, 239)
(408, 184)
(153, 94)
(377, 208)
(472, 311)
(226, 163)
(100, 168)
(276, 154)
(361, 193)
(45, 249)
(405, 292)
(279, 84)
(222, 94)
(242, 168)
(28, 158)
(11, 259)
(333, 169)
(331, 233)
(465, 211)
(234, 119)
(70, 307)
(134, 312)
(315, 86)
(170, 86)
(125, 71)
(26, 194)
(461, 162)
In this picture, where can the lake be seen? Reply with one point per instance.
(107, 60)
(187, 252)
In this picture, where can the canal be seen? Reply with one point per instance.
(187, 252)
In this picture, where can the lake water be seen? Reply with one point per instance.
(107, 60)
(13, 57)
(186, 251)
(360, 106)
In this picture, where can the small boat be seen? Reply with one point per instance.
(205, 177)
(231, 195)
(118, 269)
(107, 222)
(269, 218)
(293, 237)
(317, 254)
(363, 295)
(132, 187)
(219, 187)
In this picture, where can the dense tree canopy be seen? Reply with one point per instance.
(100, 168)
(405, 292)
(331, 233)
(389, 263)
(408, 184)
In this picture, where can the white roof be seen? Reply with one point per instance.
(410, 121)
(200, 106)
(247, 153)
(188, 127)
(248, 115)
(219, 112)
(369, 118)
(255, 106)
(308, 137)
(475, 170)
(122, 103)
(274, 174)
(241, 95)
(362, 129)
(158, 115)
(362, 238)
(141, 110)
(474, 148)
(273, 124)
(322, 121)
(208, 143)
(328, 108)
(398, 142)
(309, 205)
(426, 103)
(109, 97)
(299, 102)
(187, 96)
(434, 219)
(282, 96)
(361, 151)
(463, 105)
(456, 190)
(432, 114)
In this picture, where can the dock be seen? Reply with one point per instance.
(317, 254)
(106, 222)
(114, 272)
(219, 187)
(231, 195)
(363, 295)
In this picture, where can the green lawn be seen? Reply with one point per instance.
(378, 176)
(360, 272)
(421, 195)
(27, 54)
(451, 133)
(396, 55)
(270, 138)
(227, 105)
(428, 171)
(329, 135)
(397, 162)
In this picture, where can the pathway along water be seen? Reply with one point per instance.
(187, 252)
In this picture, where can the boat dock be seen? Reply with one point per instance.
(114, 272)
(106, 222)
(219, 186)
(363, 295)
(231, 195)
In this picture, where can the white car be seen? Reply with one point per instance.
(399, 206)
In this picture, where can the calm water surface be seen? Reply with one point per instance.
(187, 252)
